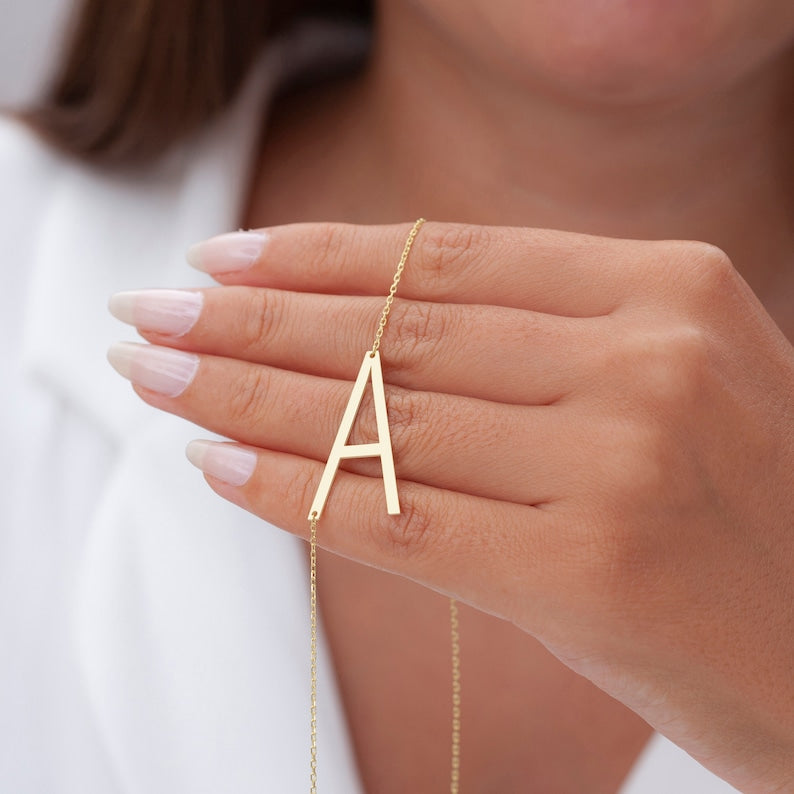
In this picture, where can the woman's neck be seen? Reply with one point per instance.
(460, 141)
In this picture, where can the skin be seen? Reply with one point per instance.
(610, 419)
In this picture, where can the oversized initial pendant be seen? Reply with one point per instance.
(370, 369)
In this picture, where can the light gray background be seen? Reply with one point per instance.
(31, 32)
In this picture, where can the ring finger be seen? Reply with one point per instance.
(487, 449)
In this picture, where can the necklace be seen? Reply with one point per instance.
(370, 371)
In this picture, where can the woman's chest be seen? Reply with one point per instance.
(528, 722)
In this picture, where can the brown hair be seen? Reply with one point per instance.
(138, 75)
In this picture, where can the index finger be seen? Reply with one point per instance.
(556, 272)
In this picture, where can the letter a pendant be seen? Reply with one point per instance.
(370, 369)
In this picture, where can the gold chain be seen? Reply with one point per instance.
(454, 778)
(313, 621)
(393, 289)
(453, 607)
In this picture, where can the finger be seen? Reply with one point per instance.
(493, 450)
(462, 545)
(522, 357)
(539, 269)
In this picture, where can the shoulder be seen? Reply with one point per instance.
(213, 163)
(25, 160)
(16, 138)
(27, 170)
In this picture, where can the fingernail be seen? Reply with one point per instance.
(227, 253)
(165, 311)
(160, 369)
(228, 462)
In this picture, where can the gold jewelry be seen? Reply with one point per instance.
(370, 370)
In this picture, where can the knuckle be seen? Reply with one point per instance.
(692, 349)
(677, 367)
(416, 329)
(662, 367)
(448, 249)
(407, 535)
(262, 315)
(301, 488)
(326, 408)
(326, 249)
(709, 256)
(709, 270)
(421, 424)
(407, 418)
(247, 399)
(695, 273)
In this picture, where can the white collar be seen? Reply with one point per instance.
(98, 233)
(102, 232)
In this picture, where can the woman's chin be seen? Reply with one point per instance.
(619, 50)
(623, 51)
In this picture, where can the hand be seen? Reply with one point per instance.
(593, 438)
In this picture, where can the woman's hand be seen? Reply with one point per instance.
(593, 439)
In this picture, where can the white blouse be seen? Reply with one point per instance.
(154, 636)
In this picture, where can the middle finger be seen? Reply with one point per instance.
(520, 356)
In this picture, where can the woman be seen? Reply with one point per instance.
(593, 436)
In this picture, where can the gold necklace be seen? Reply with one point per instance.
(370, 370)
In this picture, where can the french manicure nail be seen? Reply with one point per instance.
(160, 369)
(165, 311)
(228, 462)
(227, 253)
